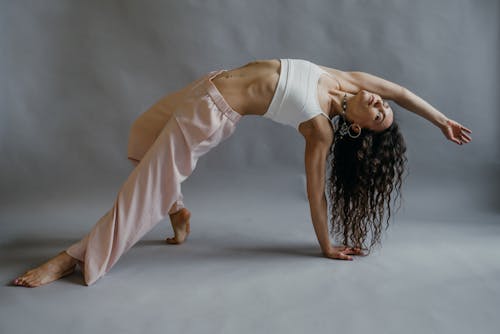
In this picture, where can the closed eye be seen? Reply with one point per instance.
(379, 116)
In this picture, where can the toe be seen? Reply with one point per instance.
(34, 283)
(172, 241)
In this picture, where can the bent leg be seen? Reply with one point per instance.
(145, 198)
(201, 122)
(178, 204)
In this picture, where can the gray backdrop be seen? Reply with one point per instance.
(75, 74)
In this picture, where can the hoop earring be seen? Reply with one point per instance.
(349, 132)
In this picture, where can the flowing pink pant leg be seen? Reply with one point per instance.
(201, 121)
(179, 202)
(143, 133)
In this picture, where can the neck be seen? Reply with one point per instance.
(336, 101)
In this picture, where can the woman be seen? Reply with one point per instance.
(340, 114)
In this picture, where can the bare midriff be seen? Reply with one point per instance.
(249, 89)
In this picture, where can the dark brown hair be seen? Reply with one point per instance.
(364, 173)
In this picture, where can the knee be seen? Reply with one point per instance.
(134, 162)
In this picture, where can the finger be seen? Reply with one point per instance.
(460, 126)
(344, 256)
(464, 128)
(350, 251)
(466, 136)
(359, 251)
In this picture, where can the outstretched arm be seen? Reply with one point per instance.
(452, 130)
(353, 82)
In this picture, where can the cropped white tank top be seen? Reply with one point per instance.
(296, 97)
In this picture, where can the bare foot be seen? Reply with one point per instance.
(57, 267)
(180, 224)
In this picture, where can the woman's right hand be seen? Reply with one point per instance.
(342, 252)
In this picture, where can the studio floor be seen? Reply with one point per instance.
(252, 265)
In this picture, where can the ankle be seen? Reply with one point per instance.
(178, 212)
(71, 260)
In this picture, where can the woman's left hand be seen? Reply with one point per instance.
(455, 132)
(349, 250)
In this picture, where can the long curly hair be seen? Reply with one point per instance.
(364, 173)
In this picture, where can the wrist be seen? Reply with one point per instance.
(326, 250)
(441, 121)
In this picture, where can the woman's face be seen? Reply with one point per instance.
(369, 111)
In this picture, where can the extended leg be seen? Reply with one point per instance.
(57, 267)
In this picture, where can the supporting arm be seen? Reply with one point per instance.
(315, 165)
(315, 160)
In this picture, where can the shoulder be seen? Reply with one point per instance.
(345, 80)
(317, 129)
(273, 62)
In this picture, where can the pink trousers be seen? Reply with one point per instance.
(165, 143)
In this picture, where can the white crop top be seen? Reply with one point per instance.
(296, 97)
